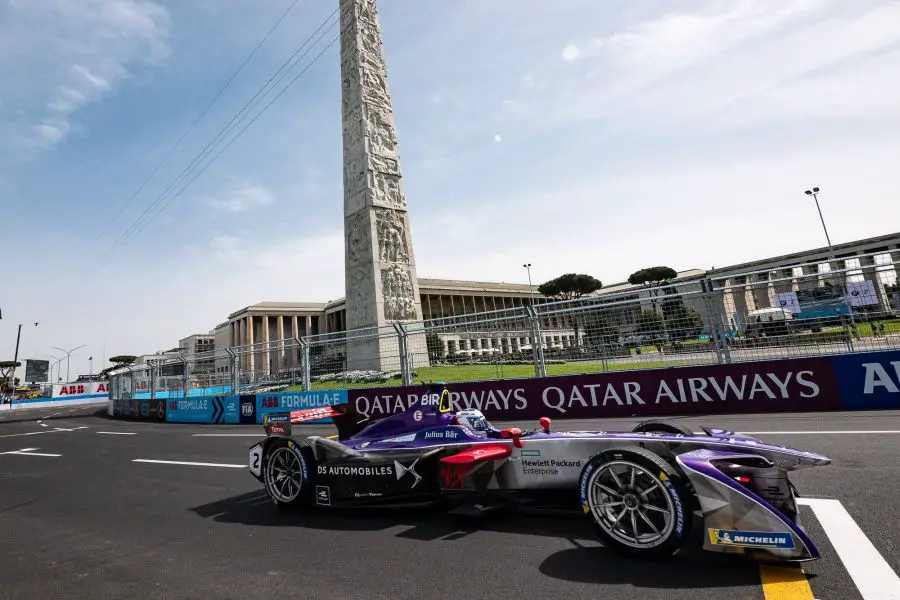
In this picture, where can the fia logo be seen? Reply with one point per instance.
(246, 409)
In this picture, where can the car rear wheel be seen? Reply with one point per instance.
(636, 501)
(287, 473)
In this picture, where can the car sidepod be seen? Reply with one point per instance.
(748, 505)
(382, 478)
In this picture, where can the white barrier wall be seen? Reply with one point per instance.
(69, 394)
(86, 388)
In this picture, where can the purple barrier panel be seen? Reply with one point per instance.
(759, 387)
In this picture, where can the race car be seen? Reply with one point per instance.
(641, 490)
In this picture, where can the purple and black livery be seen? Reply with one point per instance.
(642, 490)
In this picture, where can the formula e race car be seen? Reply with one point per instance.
(640, 489)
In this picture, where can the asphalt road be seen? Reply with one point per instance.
(80, 519)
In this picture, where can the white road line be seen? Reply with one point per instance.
(56, 430)
(116, 433)
(853, 432)
(189, 464)
(30, 452)
(870, 572)
(256, 435)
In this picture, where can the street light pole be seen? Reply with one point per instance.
(815, 194)
(16, 358)
(68, 356)
(528, 268)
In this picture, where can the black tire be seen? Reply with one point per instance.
(298, 465)
(662, 427)
(666, 505)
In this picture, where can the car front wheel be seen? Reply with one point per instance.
(636, 502)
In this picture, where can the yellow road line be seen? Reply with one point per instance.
(784, 583)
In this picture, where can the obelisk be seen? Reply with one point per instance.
(381, 282)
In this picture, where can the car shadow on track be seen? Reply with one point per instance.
(585, 562)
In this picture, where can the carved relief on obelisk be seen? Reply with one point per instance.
(381, 281)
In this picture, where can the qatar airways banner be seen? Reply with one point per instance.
(760, 387)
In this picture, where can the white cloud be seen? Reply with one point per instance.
(728, 65)
(82, 51)
(244, 198)
(571, 52)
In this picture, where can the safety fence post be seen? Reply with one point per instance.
(403, 346)
(717, 336)
(304, 365)
(537, 342)
(234, 369)
(152, 364)
(294, 362)
(185, 377)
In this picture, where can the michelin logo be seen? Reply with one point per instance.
(750, 539)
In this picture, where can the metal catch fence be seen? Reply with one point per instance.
(794, 312)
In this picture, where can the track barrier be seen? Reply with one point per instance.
(858, 381)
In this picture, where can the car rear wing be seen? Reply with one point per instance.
(344, 416)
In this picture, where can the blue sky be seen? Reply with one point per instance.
(578, 135)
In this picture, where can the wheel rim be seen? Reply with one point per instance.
(285, 475)
(630, 504)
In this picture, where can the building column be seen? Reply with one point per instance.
(308, 325)
(251, 338)
(267, 355)
(241, 334)
(280, 333)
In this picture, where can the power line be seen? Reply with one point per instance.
(199, 117)
(136, 227)
(235, 138)
(216, 139)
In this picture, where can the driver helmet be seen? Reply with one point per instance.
(473, 419)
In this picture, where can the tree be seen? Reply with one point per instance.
(6, 369)
(434, 345)
(571, 286)
(601, 332)
(122, 360)
(682, 322)
(652, 276)
(655, 279)
(649, 323)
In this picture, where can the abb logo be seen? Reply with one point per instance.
(271, 402)
(68, 390)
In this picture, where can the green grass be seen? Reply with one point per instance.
(490, 372)
(451, 373)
